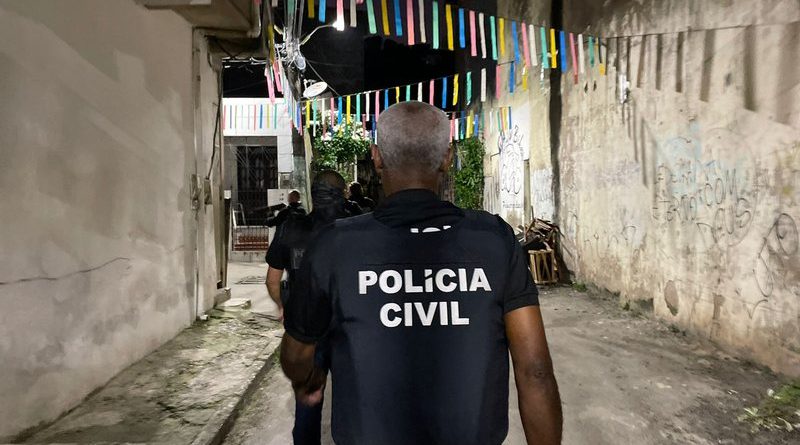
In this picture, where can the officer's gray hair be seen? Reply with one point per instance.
(413, 135)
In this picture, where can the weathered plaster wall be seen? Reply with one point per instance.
(687, 196)
(518, 160)
(98, 236)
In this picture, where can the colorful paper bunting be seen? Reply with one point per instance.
(435, 30)
(423, 38)
(481, 20)
(455, 90)
(525, 47)
(483, 84)
(493, 36)
(398, 19)
(469, 88)
(371, 17)
(449, 21)
(472, 37)
(385, 17)
(462, 38)
(501, 34)
(410, 20)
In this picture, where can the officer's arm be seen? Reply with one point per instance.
(297, 361)
(274, 276)
(539, 402)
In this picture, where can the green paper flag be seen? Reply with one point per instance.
(494, 37)
(371, 12)
(469, 87)
(545, 58)
(408, 93)
(435, 25)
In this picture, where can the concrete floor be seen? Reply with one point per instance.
(624, 379)
(256, 293)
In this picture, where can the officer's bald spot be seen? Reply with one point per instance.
(413, 135)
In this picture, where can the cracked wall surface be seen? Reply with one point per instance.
(98, 236)
(684, 194)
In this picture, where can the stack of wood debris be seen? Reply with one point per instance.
(540, 239)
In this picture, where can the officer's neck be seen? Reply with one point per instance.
(393, 183)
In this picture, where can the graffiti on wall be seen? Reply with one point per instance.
(715, 198)
(512, 171)
(778, 260)
(542, 193)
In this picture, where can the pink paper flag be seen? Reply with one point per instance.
(410, 18)
(452, 128)
(472, 37)
(333, 113)
(574, 57)
(271, 87)
(430, 95)
(377, 105)
(525, 45)
(276, 71)
(340, 11)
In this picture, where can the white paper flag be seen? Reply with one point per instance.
(483, 84)
(483, 35)
(580, 54)
(353, 19)
(368, 113)
(422, 36)
(419, 92)
(532, 38)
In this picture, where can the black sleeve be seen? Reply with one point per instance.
(278, 252)
(520, 290)
(279, 219)
(308, 313)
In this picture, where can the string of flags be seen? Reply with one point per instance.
(466, 29)
(482, 35)
(319, 116)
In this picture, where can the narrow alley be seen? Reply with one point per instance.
(209, 207)
(624, 380)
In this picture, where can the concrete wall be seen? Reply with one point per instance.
(98, 237)
(525, 158)
(684, 199)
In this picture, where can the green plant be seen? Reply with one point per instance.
(780, 410)
(468, 178)
(340, 147)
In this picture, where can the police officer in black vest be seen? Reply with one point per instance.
(421, 303)
(286, 253)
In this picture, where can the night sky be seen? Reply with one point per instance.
(352, 60)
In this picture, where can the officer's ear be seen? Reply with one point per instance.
(376, 158)
(448, 160)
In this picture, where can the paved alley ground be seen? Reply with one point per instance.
(624, 379)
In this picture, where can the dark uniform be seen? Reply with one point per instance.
(294, 208)
(411, 299)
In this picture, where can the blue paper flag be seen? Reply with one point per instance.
(462, 39)
(398, 19)
(444, 93)
(563, 51)
(516, 41)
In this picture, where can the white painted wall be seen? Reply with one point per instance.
(96, 230)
